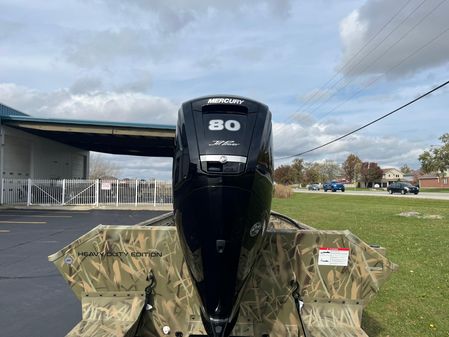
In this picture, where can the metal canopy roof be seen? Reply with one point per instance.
(8, 111)
(110, 137)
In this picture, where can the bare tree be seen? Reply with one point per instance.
(329, 170)
(100, 167)
(406, 169)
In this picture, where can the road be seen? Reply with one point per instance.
(421, 195)
(34, 299)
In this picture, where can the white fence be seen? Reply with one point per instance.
(85, 192)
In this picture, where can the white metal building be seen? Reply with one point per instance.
(41, 148)
(24, 155)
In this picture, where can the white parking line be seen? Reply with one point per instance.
(24, 222)
(42, 211)
(38, 216)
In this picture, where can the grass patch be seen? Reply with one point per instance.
(436, 190)
(365, 189)
(415, 301)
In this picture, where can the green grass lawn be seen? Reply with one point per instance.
(415, 301)
(435, 190)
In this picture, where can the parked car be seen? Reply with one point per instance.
(313, 187)
(402, 188)
(333, 186)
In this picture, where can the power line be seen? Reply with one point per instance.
(372, 38)
(416, 51)
(402, 37)
(375, 61)
(370, 123)
(316, 105)
(369, 52)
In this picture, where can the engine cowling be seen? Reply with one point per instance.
(222, 186)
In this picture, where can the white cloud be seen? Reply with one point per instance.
(403, 37)
(200, 31)
(107, 106)
(104, 106)
(290, 139)
(137, 60)
(353, 31)
(135, 167)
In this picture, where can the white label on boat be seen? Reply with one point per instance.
(333, 256)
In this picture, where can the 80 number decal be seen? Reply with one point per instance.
(219, 124)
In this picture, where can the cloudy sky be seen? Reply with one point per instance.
(324, 67)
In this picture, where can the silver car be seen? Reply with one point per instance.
(313, 187)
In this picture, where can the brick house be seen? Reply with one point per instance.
(432, 180)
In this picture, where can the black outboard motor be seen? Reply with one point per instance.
(222, 185)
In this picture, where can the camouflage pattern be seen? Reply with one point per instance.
(110, 267)
(108, 315)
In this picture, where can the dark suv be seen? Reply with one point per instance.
(402, 188)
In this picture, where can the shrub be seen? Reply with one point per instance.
(282, 191)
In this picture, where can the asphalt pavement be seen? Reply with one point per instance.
(420, 195)
(35, 301)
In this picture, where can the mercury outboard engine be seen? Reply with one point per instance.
(222, 185)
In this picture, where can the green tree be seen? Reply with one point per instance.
(437, 158)
(351, 166)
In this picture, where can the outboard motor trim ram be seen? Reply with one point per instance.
(222, 186)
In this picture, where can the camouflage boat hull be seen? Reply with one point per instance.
(133, 281)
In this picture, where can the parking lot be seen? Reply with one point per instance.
(34, 299)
